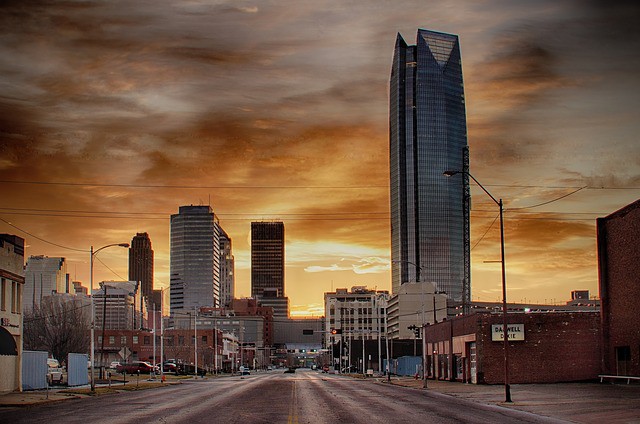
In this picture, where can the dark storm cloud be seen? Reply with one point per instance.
(534, 64)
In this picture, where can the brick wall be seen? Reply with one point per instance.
(619, 278)
(558, 347)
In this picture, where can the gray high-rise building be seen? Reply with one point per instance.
(195, 259)
(227, 274)
(427, 136)
(44, 276)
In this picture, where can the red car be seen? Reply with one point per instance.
(135, 367)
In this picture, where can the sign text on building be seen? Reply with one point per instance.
(515, 332)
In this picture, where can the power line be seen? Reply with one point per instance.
(550, 201)
(164, 214)
(217, 187)
(485, 233)
(41, 239)
(107, 266)
(359, 187)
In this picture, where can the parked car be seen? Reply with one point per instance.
(114, 365)
(290, 370)
(170, 367)
(189, 369)
(136, 367)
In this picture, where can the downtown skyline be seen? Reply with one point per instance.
(114, 115)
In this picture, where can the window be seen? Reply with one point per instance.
(13, 297)
(99, 339)
(123, 340)
(19, 299)
(3, 295)
(135, 339)
(112, 340)
(204, 339)
(181, 340)
(147, 340)
(623, 360)
(170, 341)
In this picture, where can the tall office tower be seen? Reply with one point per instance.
(267, 266)
(195, 259)
(116, 305)
(141, 265)
(43, 277)
(267, 257)
(427, 136)
(227, 275)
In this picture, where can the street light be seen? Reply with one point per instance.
(507, 388)
(93, 312)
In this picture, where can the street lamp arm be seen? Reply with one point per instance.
(407, 262)
(452, 173)
(95, 252)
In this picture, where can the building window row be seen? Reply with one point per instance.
(14, 298)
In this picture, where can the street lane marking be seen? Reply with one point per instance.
(293, 409)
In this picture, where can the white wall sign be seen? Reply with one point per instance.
(515, 332)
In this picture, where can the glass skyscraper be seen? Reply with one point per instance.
(267, 266)
(267, 258)
(195, 259)
(427, 136)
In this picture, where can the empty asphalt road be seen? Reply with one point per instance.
(273, 397)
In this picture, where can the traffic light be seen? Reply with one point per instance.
(416, 330)
(336, 331)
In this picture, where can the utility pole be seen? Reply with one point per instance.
(195, 337)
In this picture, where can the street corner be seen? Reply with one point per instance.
(23, 399)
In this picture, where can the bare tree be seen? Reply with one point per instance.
(59, 325)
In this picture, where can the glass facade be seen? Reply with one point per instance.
(227, 267)
(429, 226)
(267, 258)
(195, 259)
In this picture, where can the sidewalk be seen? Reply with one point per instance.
(59, 394)
(577, 402)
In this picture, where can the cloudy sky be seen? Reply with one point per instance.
(115, 113)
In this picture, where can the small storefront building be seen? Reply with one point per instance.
(547, 347)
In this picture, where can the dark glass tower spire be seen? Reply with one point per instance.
(428, 135)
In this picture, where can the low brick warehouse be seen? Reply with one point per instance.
(556, 347)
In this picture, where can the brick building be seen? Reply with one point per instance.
(250, 307)
(137, 345)
(546, 348)
(619, 279)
